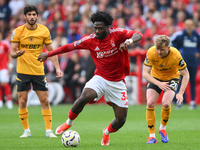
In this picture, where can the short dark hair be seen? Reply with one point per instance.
(30, 8)
(102, 16)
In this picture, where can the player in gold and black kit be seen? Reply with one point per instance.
(26, 45)
(162, 68)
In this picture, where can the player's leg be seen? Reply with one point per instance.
(152, 97)
(86, 96)
(7, 89)
(165, 114)
(115, 125)
(1, 97)
(193, 71)
(46, 112)
(23, 85)
(23, 113)
(41, 88)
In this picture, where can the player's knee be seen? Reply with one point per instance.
(166, 105)
(45, 102)
(150, 104)
(121, 121)
(22, 100)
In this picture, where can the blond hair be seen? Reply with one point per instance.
(160, 40)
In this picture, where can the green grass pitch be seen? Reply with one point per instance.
(183, 129)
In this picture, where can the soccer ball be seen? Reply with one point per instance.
(70, 138)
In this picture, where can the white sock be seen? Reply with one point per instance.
(106, 131)
(69, 122)
(27, 130)
(162, 127)
(152, 135)
(48, 130)
(192, 102)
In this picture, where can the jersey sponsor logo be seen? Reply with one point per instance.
(30, 46)
(189, 43)
(107, 53)
(97, 48)
(181, 63)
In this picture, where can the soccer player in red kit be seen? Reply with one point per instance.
(5, 68)
(108, 48)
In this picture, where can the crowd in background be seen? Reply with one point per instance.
(69, 20)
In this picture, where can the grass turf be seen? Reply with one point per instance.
(183, 129)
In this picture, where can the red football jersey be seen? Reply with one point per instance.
(4, 52)
(111, 63)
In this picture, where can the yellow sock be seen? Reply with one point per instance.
(23, 115)
(47, 115)
(151, 118)
(165, 113)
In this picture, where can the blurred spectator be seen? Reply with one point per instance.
(89, 7)
(188, 42)
(122, 24)
(181, 6)
(162, 3)
(82, 75)
(16, 7)
(89, 29)
(5, 69)
(180, 21)
(152, 8)
(73, 34)
(71, 73)
(137, 20)
(5, 13)
(60, 39)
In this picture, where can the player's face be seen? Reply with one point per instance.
(100, 30)
(31, 18)
(162, 51)
(189, 26)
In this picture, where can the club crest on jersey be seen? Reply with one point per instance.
(112, 43)
(31, 39)
(161, 66)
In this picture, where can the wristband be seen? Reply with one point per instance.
(10, 65)
(129, 40)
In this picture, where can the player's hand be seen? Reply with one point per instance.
(164, 86)
(123, 46)
(59, 73)
(42, 57)
(20, 53)
(179, 98)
